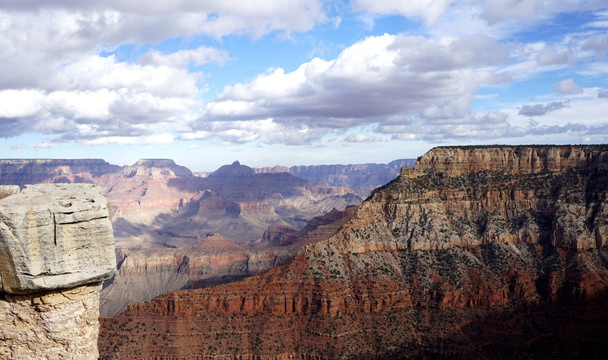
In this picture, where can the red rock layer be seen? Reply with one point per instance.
(146, 273)
(472, 262)
(316, 229)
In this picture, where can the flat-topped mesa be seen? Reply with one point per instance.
(38, 171)
(56, 248)
(512, 160)
(157, 169)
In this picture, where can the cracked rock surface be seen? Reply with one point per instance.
(56, 248)
(55, 236)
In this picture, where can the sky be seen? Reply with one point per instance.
(297, 82)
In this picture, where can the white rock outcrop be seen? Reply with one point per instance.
(56, 248)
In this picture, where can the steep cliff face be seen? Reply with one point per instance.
(465, 256)
(56, 247)
(317, 229)
(145, 273)
(22, 171)
(157, 203)
(363, 178)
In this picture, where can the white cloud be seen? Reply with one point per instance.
(568, 87)
(534, 10)
(103, 22)
(409, 87)
(429, 10)
(196, 135)
(472, 127)
(20, 103)
(45, 145)
(501, 19)
(597, 45)
(363, 138)
(119, 140)
(265, 131)
(542, 109)
(154, 139)
(158, 139)
(184, 58)
(95, 72)
(54, 81)
(373, 81)
(99, 96)
(551, 56)
(376, 77)
(501, 10)
(582, 118)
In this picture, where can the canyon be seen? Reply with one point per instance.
(156, 203)
(362, 178)
(476, 252)
(145, 273)
(163, 217)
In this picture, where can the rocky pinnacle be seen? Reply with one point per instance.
(56, 248)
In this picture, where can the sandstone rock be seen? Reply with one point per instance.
(56, 247)
(8, 190)
(145, 273)
(35, 171)
(55, 236)
(490, 252)
(60, 324)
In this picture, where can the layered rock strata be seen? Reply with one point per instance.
(492, 252)
(145, 273)
(34, 171)
(362, 178)
(56, 248)
(157, 203)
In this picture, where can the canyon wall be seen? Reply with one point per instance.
(157, 203)
(478, 252)
(362, 178)
(35, 171)
(56, 248)
(145, 273)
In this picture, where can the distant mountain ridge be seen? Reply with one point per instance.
(157, 203)
(361, 177)
(234, 201)
(34, 171)
(162, 214)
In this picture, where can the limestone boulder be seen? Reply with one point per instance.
(54, 236)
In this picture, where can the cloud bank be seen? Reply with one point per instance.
(64, 77)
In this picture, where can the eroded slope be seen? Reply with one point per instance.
(477, 252)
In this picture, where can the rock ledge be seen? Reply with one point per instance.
(55, 236)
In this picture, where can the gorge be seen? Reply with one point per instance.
(478, 252)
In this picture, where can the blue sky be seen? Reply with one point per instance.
(297, 82)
